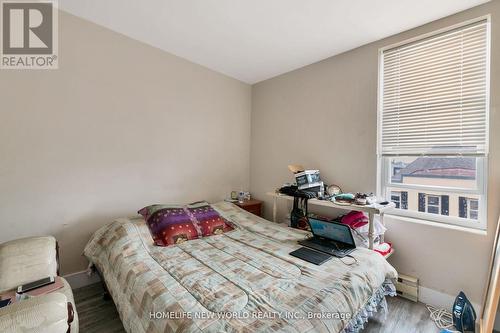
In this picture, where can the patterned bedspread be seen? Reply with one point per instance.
(240, 281)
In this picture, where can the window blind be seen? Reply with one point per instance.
(435, 94)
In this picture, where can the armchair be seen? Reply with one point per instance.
(26, 260)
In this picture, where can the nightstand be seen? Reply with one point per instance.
(253, 206)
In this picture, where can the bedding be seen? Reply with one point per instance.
(169, 224)
(240, 281)
(208, 220)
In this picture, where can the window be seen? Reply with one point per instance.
(396, 198)
(400, 198)
(433, 125)
(433, 204)
(468, 208)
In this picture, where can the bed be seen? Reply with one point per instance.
(241, 281)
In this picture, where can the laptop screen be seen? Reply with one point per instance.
(331, 230)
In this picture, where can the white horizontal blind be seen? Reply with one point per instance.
(434, 98)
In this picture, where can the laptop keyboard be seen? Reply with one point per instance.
(311, 256)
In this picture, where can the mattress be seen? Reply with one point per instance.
(241, 281)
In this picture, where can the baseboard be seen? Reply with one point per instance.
(81, 279)
(440, 299)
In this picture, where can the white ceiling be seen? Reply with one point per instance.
(253, 40)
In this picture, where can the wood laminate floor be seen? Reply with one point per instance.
(100, 316)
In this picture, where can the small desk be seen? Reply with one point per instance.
(372, 210)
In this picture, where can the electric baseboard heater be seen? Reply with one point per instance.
(407, 287)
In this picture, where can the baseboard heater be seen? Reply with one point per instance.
(407, 287)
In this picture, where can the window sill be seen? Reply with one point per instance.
(479, 232)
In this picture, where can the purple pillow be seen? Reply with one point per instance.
(170, 224)
(208, 219)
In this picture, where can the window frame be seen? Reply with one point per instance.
(427, 203)
(384, 186)
(468, 210)
(400, 199)
(401, 195)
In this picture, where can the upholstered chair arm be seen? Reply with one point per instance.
(27, 260)
(41, 314)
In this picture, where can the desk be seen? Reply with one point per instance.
(372, 210)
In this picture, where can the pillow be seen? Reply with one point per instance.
(169, 224)
(208, 220)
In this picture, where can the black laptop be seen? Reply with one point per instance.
(329, 239)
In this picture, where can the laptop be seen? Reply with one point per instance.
(331, 238)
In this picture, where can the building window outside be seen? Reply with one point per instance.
(400, 198)
(433, 204)
(469, 208)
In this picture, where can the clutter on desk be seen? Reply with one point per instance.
(242, 196)
(360, 198)
(299, 213)
(344, 198)
(308, 184)
(358, 222)
(333, 190)
(293, 191)
(308, 179)
(295, 168)
(239, 196)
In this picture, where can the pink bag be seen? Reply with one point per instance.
(354, 219)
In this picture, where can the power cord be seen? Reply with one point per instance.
(355, 261)
(442, 318)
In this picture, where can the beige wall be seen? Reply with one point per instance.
(325, 116)
(118, 126)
